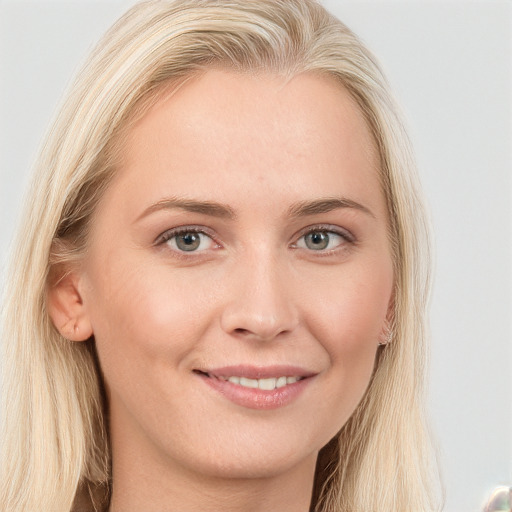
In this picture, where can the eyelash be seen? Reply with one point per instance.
(346, 236)
(170, 234)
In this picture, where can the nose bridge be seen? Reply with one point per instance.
(261, 303)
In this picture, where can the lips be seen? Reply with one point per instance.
(258, 387)
(267, 384)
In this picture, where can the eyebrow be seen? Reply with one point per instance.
(305, 208)
(223, 211)
(210, 208)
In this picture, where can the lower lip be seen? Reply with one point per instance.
(254, 398)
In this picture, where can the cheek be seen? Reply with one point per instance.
(351, 310)
(349, 317)
(143, 317)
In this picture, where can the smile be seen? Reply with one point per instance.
(268, 384)
(257, 387)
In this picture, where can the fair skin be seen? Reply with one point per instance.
(281, 268)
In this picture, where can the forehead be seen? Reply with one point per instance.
(226, 98)
(220, 128)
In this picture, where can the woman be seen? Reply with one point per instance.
(217, 298)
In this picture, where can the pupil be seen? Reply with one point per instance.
(188, 241)
(317, 240)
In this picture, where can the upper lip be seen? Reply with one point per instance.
(258, 372)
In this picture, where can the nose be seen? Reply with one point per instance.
(261, 304)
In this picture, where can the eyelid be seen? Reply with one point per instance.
(348, 239)
(168, 234)
(328, 228)
(172, 232)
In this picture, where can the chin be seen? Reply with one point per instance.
(250, 459)
(262, 467)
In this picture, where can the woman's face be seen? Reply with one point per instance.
(239, 275)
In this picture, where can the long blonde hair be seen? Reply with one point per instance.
(55, 447)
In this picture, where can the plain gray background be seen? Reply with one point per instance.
(450, 65)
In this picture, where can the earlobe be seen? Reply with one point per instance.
(386, 334)
(66, 308)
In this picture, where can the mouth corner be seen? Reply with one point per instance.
(200, 372)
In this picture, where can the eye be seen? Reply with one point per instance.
(321, 240)
(187, 240)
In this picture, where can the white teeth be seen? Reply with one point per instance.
(281, 382)
(266, 384)
(248, 383)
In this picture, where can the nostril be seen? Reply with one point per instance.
(247, 322)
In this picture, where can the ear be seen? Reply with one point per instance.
(66, 307)
(386, 335)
